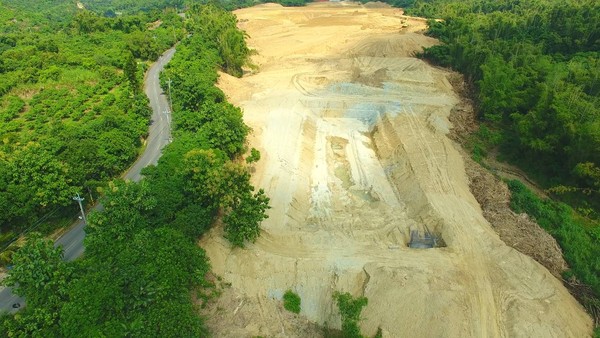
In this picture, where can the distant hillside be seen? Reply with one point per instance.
(111, 7)
(38, 11)
(60, 10)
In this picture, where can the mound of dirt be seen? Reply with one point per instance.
(517, 231)
(270, 5)
(376, 4)
(353, 133)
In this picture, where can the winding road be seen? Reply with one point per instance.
(159, 136)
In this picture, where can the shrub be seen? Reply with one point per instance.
(291, 301)
(350, 309)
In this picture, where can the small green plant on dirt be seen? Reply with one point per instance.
(254, 156)
(350, 309)
(291, 301)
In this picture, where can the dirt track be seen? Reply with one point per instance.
(353, 133)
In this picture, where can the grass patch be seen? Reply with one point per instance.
(291, 301)
(577, 236)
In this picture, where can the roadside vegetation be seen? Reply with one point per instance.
(209, 132)
(142, 268)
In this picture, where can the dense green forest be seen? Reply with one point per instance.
(119, 7)
(142, 263)
(536, 69)
(62, 10)
(72, 112)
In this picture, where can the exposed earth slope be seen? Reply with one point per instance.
(353, 132)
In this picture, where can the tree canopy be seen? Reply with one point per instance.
(72, 111)
(535, 67)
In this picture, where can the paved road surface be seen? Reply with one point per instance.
(159, 135)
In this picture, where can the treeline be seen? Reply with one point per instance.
(72, 111)
(536, 69)
(405, 4)
(201, 175)
(142, 267)
(63, 10)
(113, 8)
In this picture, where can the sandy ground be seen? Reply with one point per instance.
(353, 133)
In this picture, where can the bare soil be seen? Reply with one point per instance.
(356, 152)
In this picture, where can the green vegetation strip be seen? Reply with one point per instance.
(577, 237)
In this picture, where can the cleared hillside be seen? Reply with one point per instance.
(354, 135)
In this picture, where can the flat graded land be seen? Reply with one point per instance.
(353, 132)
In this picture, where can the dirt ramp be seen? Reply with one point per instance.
(397, 295)
(510, 293)
(400, 45)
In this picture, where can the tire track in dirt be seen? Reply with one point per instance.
(440, 178)
(483, 302)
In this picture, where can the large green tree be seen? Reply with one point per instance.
(41, 276)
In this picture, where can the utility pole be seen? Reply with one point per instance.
(79, 199)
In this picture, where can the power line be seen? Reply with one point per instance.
(31, 227)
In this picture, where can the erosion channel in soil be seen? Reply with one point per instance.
(353, 132)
